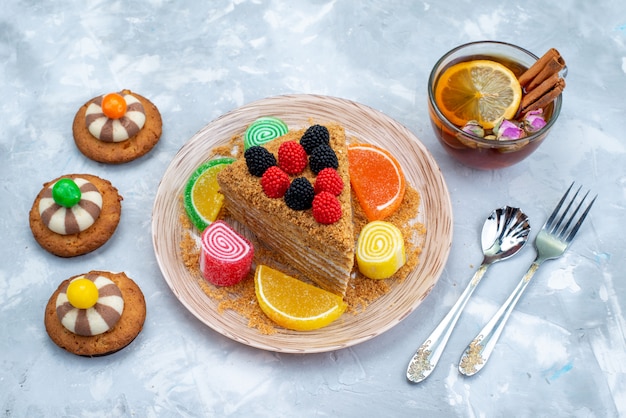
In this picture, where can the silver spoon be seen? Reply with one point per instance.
(504, 233)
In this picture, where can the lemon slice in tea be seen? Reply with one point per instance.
(480, 90)
(202, 198)
(294, 304)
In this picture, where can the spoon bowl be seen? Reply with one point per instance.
(504, 233)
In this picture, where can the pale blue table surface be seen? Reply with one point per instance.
(563, 352)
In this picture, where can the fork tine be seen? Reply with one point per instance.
(555, 229)
(573, 215)
(549, 225)
(571, 235)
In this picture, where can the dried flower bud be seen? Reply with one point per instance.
(505, 129)
(534, 121)
(472, 127)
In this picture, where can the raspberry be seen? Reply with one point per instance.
(315, 136)
(275, 182)
(299, 195)
(258, 159)
(292, 157)
(323, 157)
(326, 208)
(328, 180)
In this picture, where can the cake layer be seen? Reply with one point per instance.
(322, 253)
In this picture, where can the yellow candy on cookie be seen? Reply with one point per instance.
(82, 293)
(380, 250)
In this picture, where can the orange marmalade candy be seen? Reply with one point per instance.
(377, 180)
(114, 105)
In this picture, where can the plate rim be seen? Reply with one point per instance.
(289, 99)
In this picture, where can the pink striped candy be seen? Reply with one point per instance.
(226, 256)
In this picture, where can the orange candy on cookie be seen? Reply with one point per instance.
(114, 105)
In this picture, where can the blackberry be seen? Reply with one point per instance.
(258, 159)
(323, 157)
(315, 136)
(300, 194)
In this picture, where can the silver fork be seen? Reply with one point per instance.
(551, 242)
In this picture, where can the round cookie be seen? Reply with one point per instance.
(123, 332)
(118, 152)
(88, 240)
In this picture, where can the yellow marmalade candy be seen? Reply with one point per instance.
(380, 250)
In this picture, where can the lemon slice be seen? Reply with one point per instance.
(293, 304)
(202, 198)
(480, 90)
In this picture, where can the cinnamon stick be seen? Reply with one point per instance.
(540, 90)
(542, 82)
(552, 68)
(550, 63)
(543, 94)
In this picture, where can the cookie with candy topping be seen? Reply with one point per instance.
(75, 214)
(115, 128)
(96, 313)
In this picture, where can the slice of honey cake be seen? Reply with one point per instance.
(307, 221)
